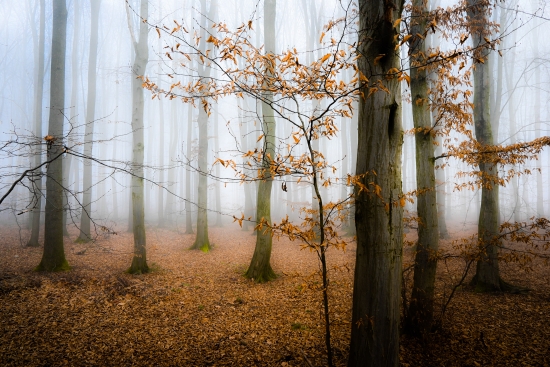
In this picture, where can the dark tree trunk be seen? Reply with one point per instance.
(421, 306)
(379, 223)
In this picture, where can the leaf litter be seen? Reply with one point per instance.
(197, 309)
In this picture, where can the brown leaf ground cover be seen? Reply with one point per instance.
(197, 309)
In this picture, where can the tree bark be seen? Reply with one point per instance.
(37, 118)
(379, 223)
(85, 220)
(420, 314)
(201, 240)
(53, 258)
(260, 267)
(139, 261)
(487, 276)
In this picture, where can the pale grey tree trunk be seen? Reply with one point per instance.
(217, 169)
(162, 122)
(260, 267)
(53, 258)
(421, 306)
(188, 173)
(37, 119)
(141, 57)
(202, 242)
(85, 220)
(379, 223)
(248, 200)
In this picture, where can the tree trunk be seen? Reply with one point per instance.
(217, 170)
(420, 313)
(201, 240)
(379, 223)
(188, 174)
(37, 118)
(487, 276)
(53, 258)
(89, 131)
(139, 261)
(260, 267)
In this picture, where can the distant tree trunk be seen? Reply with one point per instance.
(217, 170)
(440, 173)
(53, 258)
(188, 218)
(260, 267)
(160, 204)
(248, 201)
(379, 223)
(421, 306)
(89, 130)
(487, 272)
(139, 261)
(201, 240)
(69, 161)
(37, 119)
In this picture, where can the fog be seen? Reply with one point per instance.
(520, 77)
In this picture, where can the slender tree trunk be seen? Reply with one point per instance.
(37, 118)
(201, 240)
(421, 307)
(487, 272)
(379, 223)
(160, 204)
(53, 258)
(217, 170)
(89, 130)
(260, 267)
(139, 261)
(188, 173)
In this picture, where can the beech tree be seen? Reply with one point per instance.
(37, 119)
(260, 268)
(141, 57)
(420, 313)
(202, 241)
(378, 220)
(53, 257)
(85, 220)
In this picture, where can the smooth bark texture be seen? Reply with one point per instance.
(141, 57)
(487, 276)
(420, 314)
(37, 118)
(188, 173)
(260, 267)
(201, 240)
(85, 220)
(379, 223)
(53, 258)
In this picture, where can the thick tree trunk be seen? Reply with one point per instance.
(139, 261)
(420, 313)
(85, 220)
(260, 268)
(37, 119)
(53, 258)
(379, 223)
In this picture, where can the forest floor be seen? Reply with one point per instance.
(197, 309)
